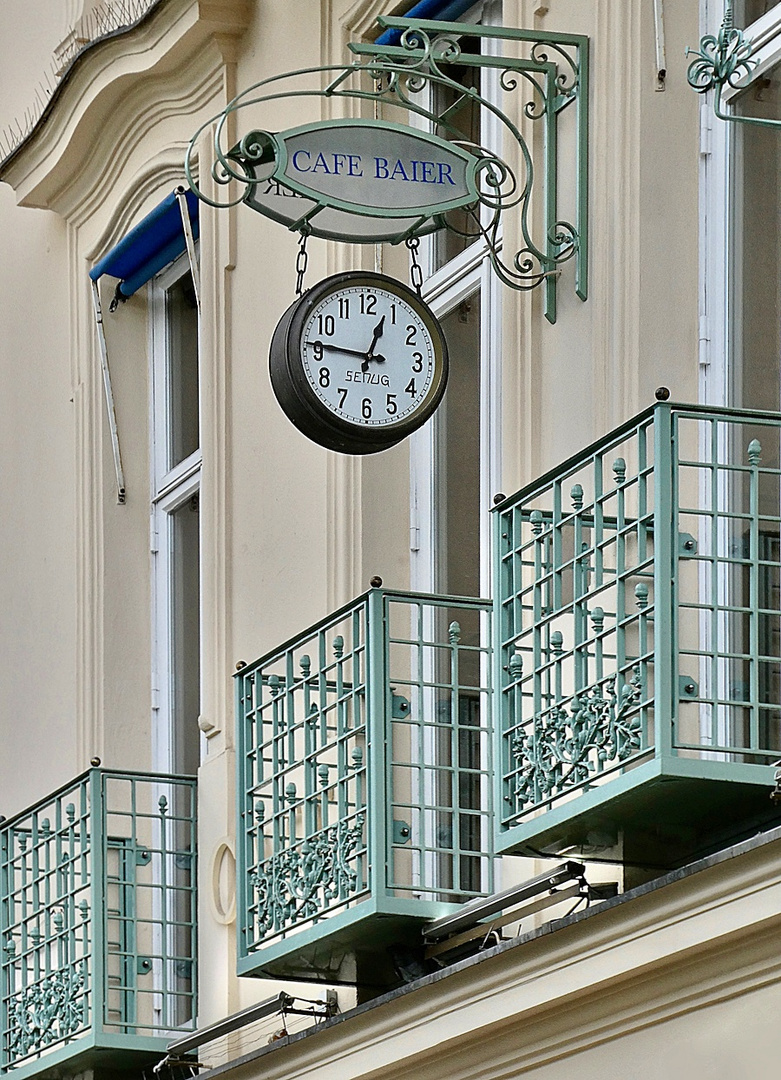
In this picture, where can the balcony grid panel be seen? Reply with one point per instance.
(97, 918)
(597, 671)
(365, 766)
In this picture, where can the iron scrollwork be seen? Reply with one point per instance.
(48, 1011)
(725, 60)
(406, 79)
(303, 881)
(561, 750)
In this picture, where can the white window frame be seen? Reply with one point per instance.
(720, 241)
(444, 289)
(170, 490)
(720, 305)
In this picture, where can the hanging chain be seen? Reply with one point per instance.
(415, 270)
(301, 262)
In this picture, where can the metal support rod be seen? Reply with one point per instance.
(661, 53)
(112, 416)
(189, 239)
(218, 1030)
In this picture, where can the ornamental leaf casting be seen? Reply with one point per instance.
(48, 1011)
(561, 750)
(302, 882)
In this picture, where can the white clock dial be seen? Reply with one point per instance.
(368, 356)
(358, 362)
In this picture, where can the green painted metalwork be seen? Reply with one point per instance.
(725, 60)
(401, 80)
(637, 612)
(364, 769)
(97, 920)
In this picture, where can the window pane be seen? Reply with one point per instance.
(465, 118)
(748, 11)
(182, 324)
(185, 605)
(459, 453)
(758, 291)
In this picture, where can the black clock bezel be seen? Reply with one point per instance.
(299, 401)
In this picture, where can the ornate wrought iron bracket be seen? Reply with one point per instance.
(405, 81)
(724, 60)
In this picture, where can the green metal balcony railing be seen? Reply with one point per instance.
(97, 924)
(638, 615)
(364, 758)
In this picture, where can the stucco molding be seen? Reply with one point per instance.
(164, 48)
(685, 946)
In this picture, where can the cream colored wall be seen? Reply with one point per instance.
(37, 619)
(290, 530)
(568, 384)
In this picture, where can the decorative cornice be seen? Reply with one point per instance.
(163, 46)
(699, 936)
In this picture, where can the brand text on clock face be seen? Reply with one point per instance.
(368, 356)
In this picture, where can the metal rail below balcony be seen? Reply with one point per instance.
(97, 925)
(364, 785)
(637, 611)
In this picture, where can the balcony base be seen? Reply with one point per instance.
(373, 950)
(653, 817)
(102, 1062)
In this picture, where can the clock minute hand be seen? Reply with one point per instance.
(340, 348)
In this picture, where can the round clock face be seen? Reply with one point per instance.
(359, 362)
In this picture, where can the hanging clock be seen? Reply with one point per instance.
(358, 362)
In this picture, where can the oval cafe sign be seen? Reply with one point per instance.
(360, 181)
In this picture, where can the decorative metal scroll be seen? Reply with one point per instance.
(407, 82)
(562, 750)
(724, 60)
(301, 883)
(46, 1012)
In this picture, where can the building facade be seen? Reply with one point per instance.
(295, 709)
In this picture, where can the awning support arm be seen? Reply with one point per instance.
(189, 239)
(112, 416)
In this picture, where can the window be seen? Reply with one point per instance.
(176, 467)
(454, 473)
(455, 458)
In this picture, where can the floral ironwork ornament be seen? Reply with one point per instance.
(725, 60)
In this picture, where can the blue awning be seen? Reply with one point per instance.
(443, 10)
(149, 246)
